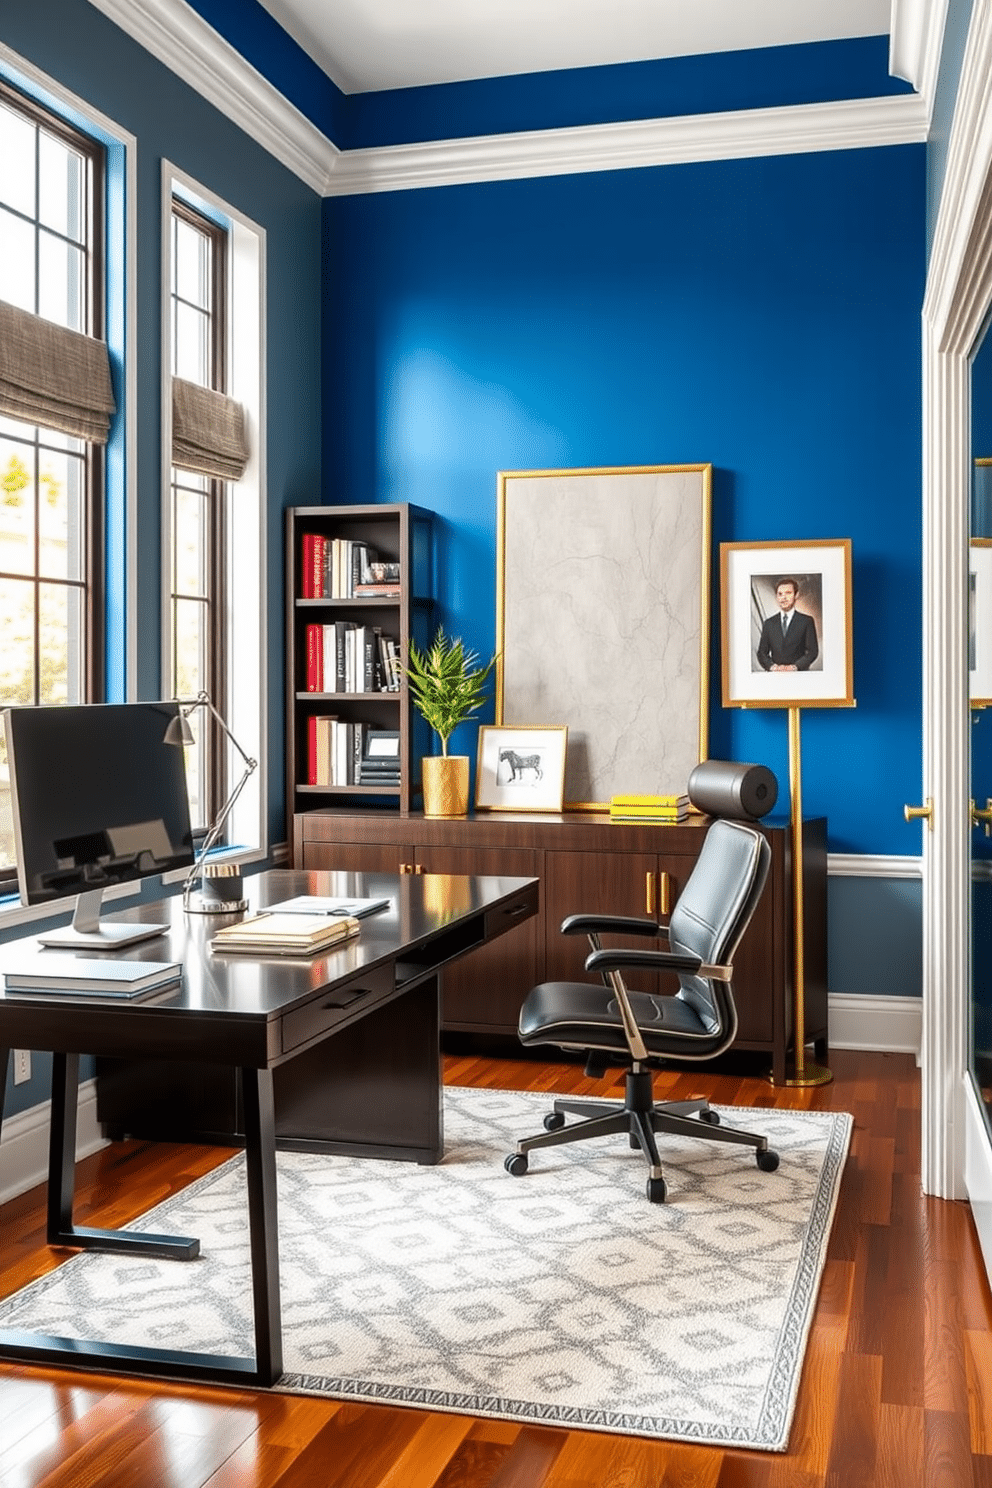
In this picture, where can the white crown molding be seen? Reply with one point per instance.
(174, 33)
(873, 865)
(857, 124)
(916, 35)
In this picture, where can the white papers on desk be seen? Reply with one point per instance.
(317, 904)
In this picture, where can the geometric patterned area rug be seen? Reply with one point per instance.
(559, 1298)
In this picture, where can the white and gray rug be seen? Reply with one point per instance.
(562, 1297)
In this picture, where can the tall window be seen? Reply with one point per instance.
(198, 334)
(51, 484)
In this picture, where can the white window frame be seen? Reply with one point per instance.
(120, 324)
(244, 707)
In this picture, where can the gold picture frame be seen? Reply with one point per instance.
(786, 633)
(602, 619)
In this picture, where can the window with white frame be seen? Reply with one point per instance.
(213, 571)
(51, 481)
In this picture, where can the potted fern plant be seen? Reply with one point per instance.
(448, 685)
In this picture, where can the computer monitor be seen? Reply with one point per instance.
(98, 797)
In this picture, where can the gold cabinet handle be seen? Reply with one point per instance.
(920, 813)
(664, 893)
(649, 894)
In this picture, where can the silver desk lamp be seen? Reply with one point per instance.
(226, 876)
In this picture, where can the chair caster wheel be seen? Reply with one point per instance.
(554, 1121)
(767, 1161)
(657, 1189)
(516, 1164)
(712, 1118)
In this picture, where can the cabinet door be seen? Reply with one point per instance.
(601, 883)
(483, 992)
(356, 857)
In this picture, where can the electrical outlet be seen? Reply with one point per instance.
(22, 1066)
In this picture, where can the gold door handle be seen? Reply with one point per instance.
(982, 817)
(920, 813)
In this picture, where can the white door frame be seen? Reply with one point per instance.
(955, 309)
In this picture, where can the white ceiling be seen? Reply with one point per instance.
(367, 45)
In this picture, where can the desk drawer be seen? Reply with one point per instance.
(334, 1006)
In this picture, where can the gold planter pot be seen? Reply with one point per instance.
(445, 781)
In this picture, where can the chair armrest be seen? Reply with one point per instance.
(612, 960)
(590, 924)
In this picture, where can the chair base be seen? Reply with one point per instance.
(641, 1118)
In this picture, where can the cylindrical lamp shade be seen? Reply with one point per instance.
(741, 792)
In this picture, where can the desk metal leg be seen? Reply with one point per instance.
(62, 1182)
(260, 1160)
(130, 1359)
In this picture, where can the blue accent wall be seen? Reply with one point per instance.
(761, 315)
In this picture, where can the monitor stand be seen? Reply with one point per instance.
(89, 933)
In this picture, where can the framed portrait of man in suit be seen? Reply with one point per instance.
(786, 624)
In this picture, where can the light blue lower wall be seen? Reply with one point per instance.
(875, 936)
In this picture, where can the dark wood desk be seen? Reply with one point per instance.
(259, 1016)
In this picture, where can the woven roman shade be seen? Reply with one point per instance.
(208, 431)
(54, 377)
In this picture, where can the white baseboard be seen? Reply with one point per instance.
(24, 1149)
(889, 1025)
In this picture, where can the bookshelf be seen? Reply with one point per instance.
(359, 585)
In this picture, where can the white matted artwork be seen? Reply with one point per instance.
(980, 622)
(786, 624)
(603, 598)
(520, 769)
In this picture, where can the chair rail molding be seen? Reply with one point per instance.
(174, 33)
(958, 295)
(873, 865)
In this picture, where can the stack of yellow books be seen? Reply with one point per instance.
(286, 934)
(647, 809)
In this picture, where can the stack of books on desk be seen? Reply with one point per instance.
(647, 809)
(61, 976)
(286, 934)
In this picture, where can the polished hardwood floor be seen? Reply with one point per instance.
(896, 1389)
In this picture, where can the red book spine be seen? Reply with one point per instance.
(319, 559)
(315, 658)
(312, 750)
(306, 567)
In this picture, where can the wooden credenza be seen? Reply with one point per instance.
(588, 864)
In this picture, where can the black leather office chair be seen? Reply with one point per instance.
(616, 1026)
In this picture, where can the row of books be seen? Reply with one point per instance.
(647, 809)
(341, 568)
(344, 752)
(345, 657)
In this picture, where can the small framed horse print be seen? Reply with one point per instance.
(520, 769)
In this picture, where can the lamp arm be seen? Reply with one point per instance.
(251, 765)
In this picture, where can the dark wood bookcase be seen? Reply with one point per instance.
(399, 533)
